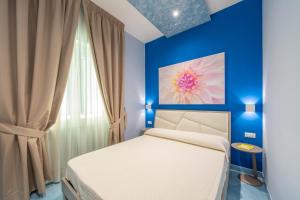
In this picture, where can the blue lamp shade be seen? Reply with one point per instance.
(148, 106)
(250, 108)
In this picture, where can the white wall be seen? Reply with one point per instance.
(134, 86)
(281, 44)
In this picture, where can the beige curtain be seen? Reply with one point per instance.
(107, 40)
(36, 41)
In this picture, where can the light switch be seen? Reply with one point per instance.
(250, 135)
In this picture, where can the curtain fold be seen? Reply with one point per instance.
(36, 44)
(107, 39)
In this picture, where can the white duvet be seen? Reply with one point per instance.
(160, 165)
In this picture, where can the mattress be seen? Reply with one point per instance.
(160, 165)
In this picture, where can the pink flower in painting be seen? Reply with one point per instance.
(200, 81)
(186, 81)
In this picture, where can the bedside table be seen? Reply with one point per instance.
(251, 180)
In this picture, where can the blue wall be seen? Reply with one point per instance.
(237, 31)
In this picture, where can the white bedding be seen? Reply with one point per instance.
(160, 165)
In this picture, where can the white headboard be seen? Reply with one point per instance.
(212, 122)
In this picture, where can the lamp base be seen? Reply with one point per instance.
(250, 180)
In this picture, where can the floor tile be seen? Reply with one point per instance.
(242, 191)
(53, 192)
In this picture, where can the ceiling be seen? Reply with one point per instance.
(138, 25)
(173, 16)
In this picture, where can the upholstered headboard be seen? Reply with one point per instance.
(211, 122)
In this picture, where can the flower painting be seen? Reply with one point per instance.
(199, 81)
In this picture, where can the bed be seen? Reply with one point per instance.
(185, 156)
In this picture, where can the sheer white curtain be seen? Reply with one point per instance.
(83, 124)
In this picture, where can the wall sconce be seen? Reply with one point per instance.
(250, 108)
(148, 106)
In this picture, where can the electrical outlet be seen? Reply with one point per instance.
(149, 122)
(250, 135)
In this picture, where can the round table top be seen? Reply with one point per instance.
(255, 149)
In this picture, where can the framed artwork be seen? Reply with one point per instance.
(198, 81)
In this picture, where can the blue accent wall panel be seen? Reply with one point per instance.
(237, 31)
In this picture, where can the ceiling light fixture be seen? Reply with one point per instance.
(175, 13)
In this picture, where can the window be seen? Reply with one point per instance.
(83, 124)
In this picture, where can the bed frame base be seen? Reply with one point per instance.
(225, 187)
(69, 191)
(71, 194)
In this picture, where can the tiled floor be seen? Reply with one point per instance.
(236, 191)
(53, 192)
